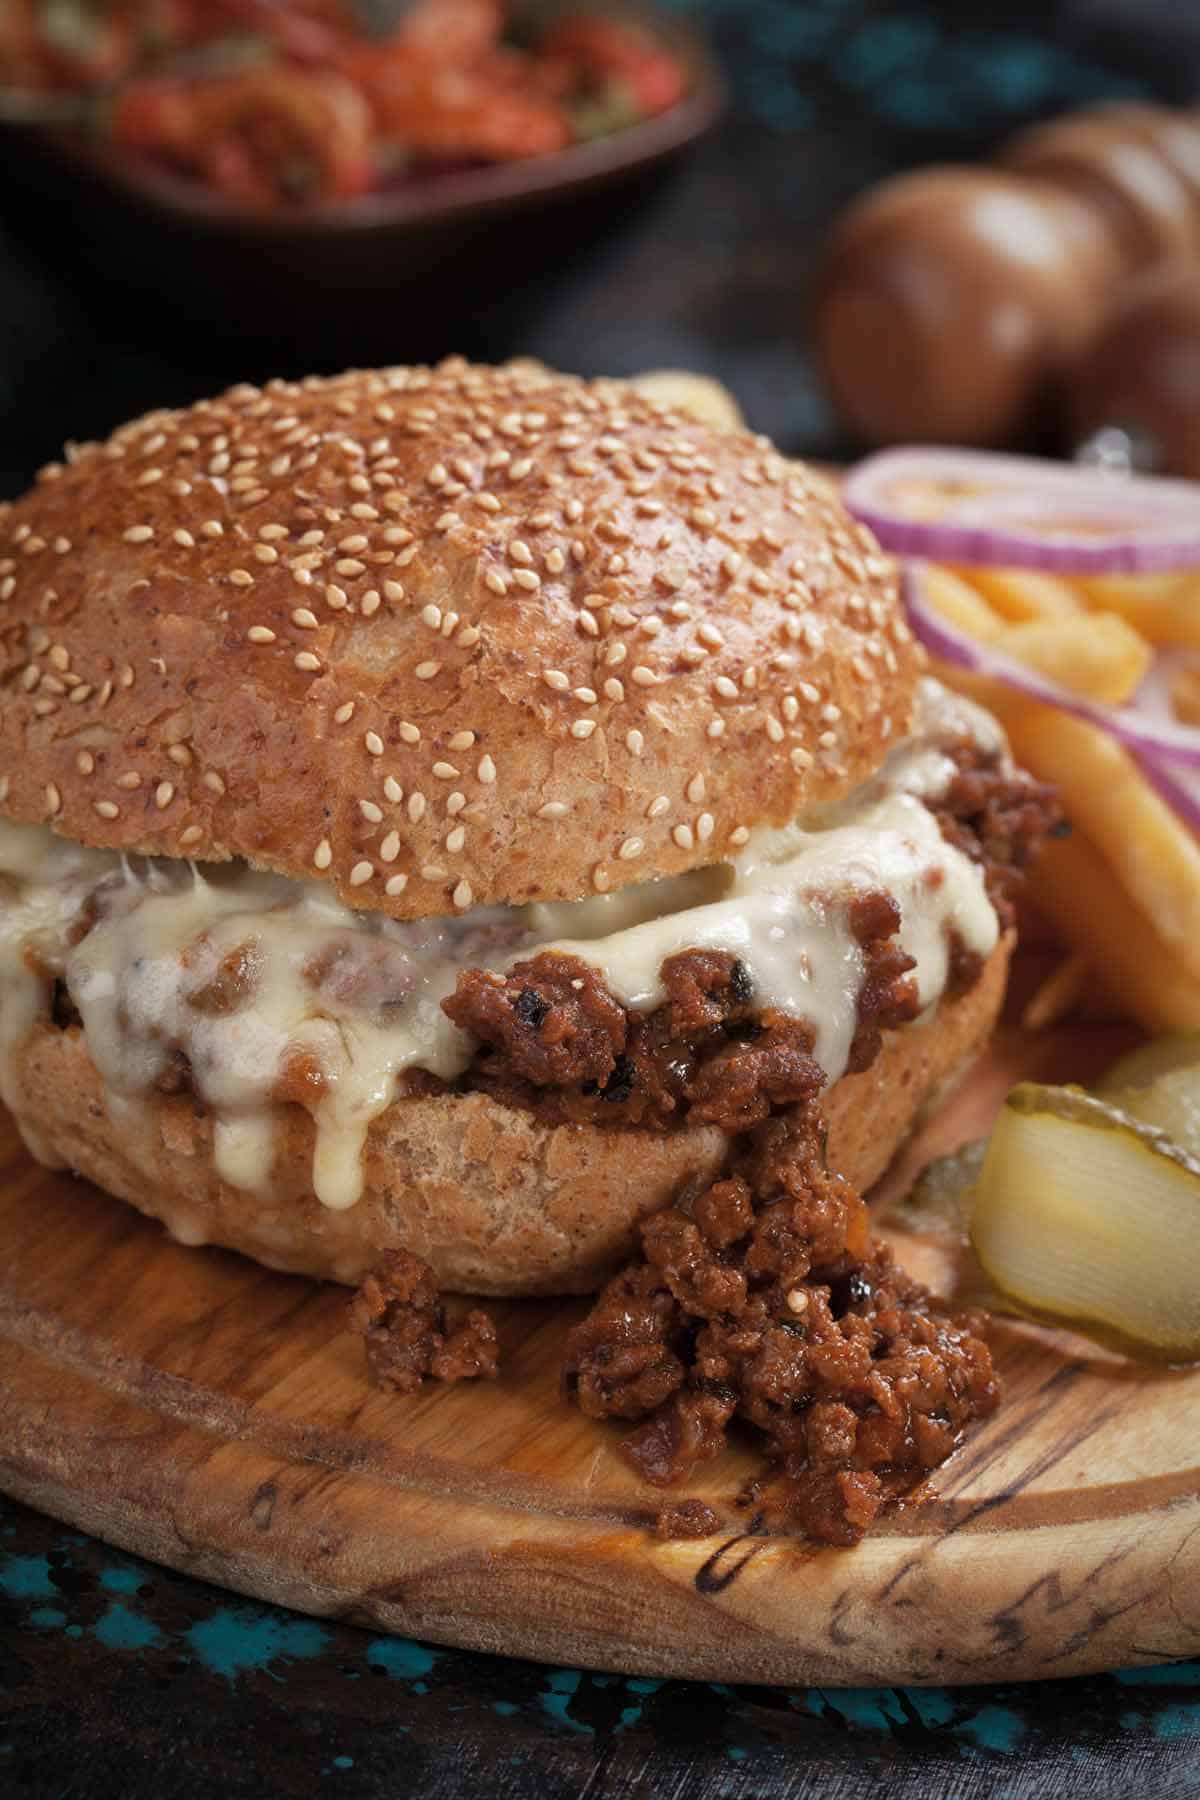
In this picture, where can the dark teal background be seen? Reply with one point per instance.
(122, 1679)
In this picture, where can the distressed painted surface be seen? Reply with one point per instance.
(111, 1668)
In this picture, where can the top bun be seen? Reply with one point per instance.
(439, 637)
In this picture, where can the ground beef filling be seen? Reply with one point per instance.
(554, 1039)
(399, 1314)
(765, 1299)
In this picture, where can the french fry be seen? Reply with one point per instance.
(1100, 656)
(962, 604)
(1152, 854)
(1060, 993)
(1164, 608)
(1020, 594)
(1072, 883)
(706, 399)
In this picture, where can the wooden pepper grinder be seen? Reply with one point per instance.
(1142, 374)
(953, 302)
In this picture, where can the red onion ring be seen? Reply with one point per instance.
(1145, 731)
(1020, 512)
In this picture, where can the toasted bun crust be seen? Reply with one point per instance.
(495, 1201)
(439, 637)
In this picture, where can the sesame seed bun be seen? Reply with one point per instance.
(439, 637)
(495, 1201)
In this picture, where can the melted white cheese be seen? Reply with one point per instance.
(338, 1005)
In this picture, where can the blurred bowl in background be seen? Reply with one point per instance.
(450, 261)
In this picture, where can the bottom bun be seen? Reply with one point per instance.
(493, 1199)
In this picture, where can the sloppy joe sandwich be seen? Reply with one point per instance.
(442, 808)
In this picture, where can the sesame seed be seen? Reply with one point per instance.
(644, 676)
(634, 742)
(85, 762)
(739, 835)
(695, 789)
(213, 528)
(138, 534)
(827, 740)
(445, 771)
(601, 879)
(708, 634)
(392, 790)
(456, 839)
(241, 578)
(432, 616)
(372, 813)
(53, 799)
(261, 634)
(265, 553)
(389, 849)
(682, 835)
(462, 895)
(527, 579)
(553, 809)
(307, 662)
(725, 688)
(658, 806)
(631, 849)
(496, 582)
(554, 678)
(773, 729)
(462, 740)
(336, 597)
(360, 873)
(108, 809)
(344, 713)
(396, 884)
(425, 671)
(587, 623)
(213, 781)
(373, 743)
(409, 733)
(583, 728)
(416, 808)
(184, 539)
(179, 753)
(433, 872)
(129, 780)
(164, 793)
(370, 603)
(704, 827)
(800, 759)
(394, 590)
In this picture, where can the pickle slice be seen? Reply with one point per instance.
(939, 1201)
(1160, 1084)
(1085, 1217)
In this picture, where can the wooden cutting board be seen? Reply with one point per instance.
(205, 1413)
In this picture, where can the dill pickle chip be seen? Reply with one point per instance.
(1160, 1084)
(1084, 1216)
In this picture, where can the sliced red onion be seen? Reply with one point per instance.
(1178, 785)
(1143, 731)
(1021, 512)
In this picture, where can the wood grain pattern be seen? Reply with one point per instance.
(211, 1415)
